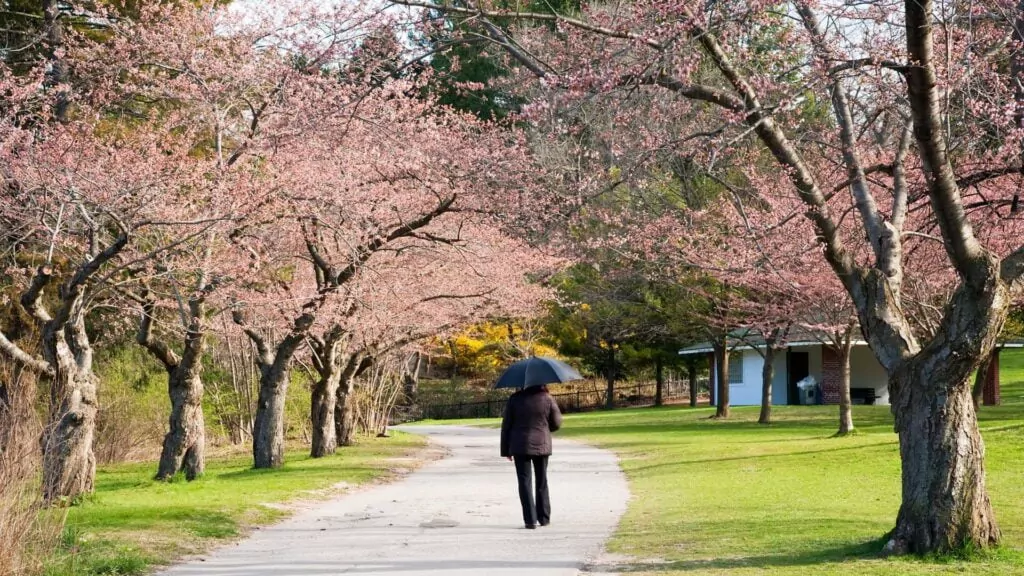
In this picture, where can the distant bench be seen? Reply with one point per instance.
(866, 394)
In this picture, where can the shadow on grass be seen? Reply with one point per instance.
(200, 522)
(291, 470)
(862, 551)
(770, 456)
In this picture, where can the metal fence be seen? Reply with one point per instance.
(580, 400)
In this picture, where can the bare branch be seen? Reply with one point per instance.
(786, 154)
(32, 299)
(869, 62)
(266, 356)
(24, 359)
(976, 178)
(406, 229)
(964, 250)
(144, 337)
(536, 16)
(865, 200)
(691, 91)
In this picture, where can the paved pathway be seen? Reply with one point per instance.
(458, 516)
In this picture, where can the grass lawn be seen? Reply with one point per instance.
(737, 498)
(133, 522)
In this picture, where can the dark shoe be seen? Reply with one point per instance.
(531, 526)
(545, 523)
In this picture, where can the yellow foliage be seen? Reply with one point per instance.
(484, 349)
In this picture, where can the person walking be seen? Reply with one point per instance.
(530, 416)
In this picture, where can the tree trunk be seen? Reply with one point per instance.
(57, 75)
(945, 504)
(185, 443)
(69, 465)
(722, 380)
(659, 376)
(767, 376)
(411, 378)
(325, 397)
(268, 426)
(691, 373)
(845, 402)
(454, 351)
(610, 374)
(345, 414)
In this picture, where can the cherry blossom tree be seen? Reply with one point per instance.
(158, 65)
(415, 292)
(916, 136)
(78, 201)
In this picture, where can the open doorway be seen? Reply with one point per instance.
(798, 366)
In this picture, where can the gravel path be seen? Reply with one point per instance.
(458, 516)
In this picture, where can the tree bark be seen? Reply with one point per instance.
(845, 401)
(275, 372)
(57, 75)
(767, 376)
(345, 414)
(344, 408)
(411, 378)
(325, 397)
(268, 426)
(945, 504)
(334, 369)
(610, 374)
(722, 379)
(659, 376)
(184, 446)
(185, 442)
(691, 373)
(69, 465)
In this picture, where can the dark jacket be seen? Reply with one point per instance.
(530, 417)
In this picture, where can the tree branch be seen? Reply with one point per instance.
(32, 299)
(963, 249)
(144, 337)
(870, 61)
(536, 16)
(86, 271)
(691, 91)
(786, 154)
(984, 175)
(402, 231)
(24, 359)
(865, 201)
(266, 357)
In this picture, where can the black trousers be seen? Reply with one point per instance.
(534, 511)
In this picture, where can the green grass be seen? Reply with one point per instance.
(132, 522)
(737, 498)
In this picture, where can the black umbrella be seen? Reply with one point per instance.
(536, 371)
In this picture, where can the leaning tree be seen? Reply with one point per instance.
(75, 201)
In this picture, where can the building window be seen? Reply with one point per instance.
(736, 368)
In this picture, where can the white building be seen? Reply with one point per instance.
(800, 358)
